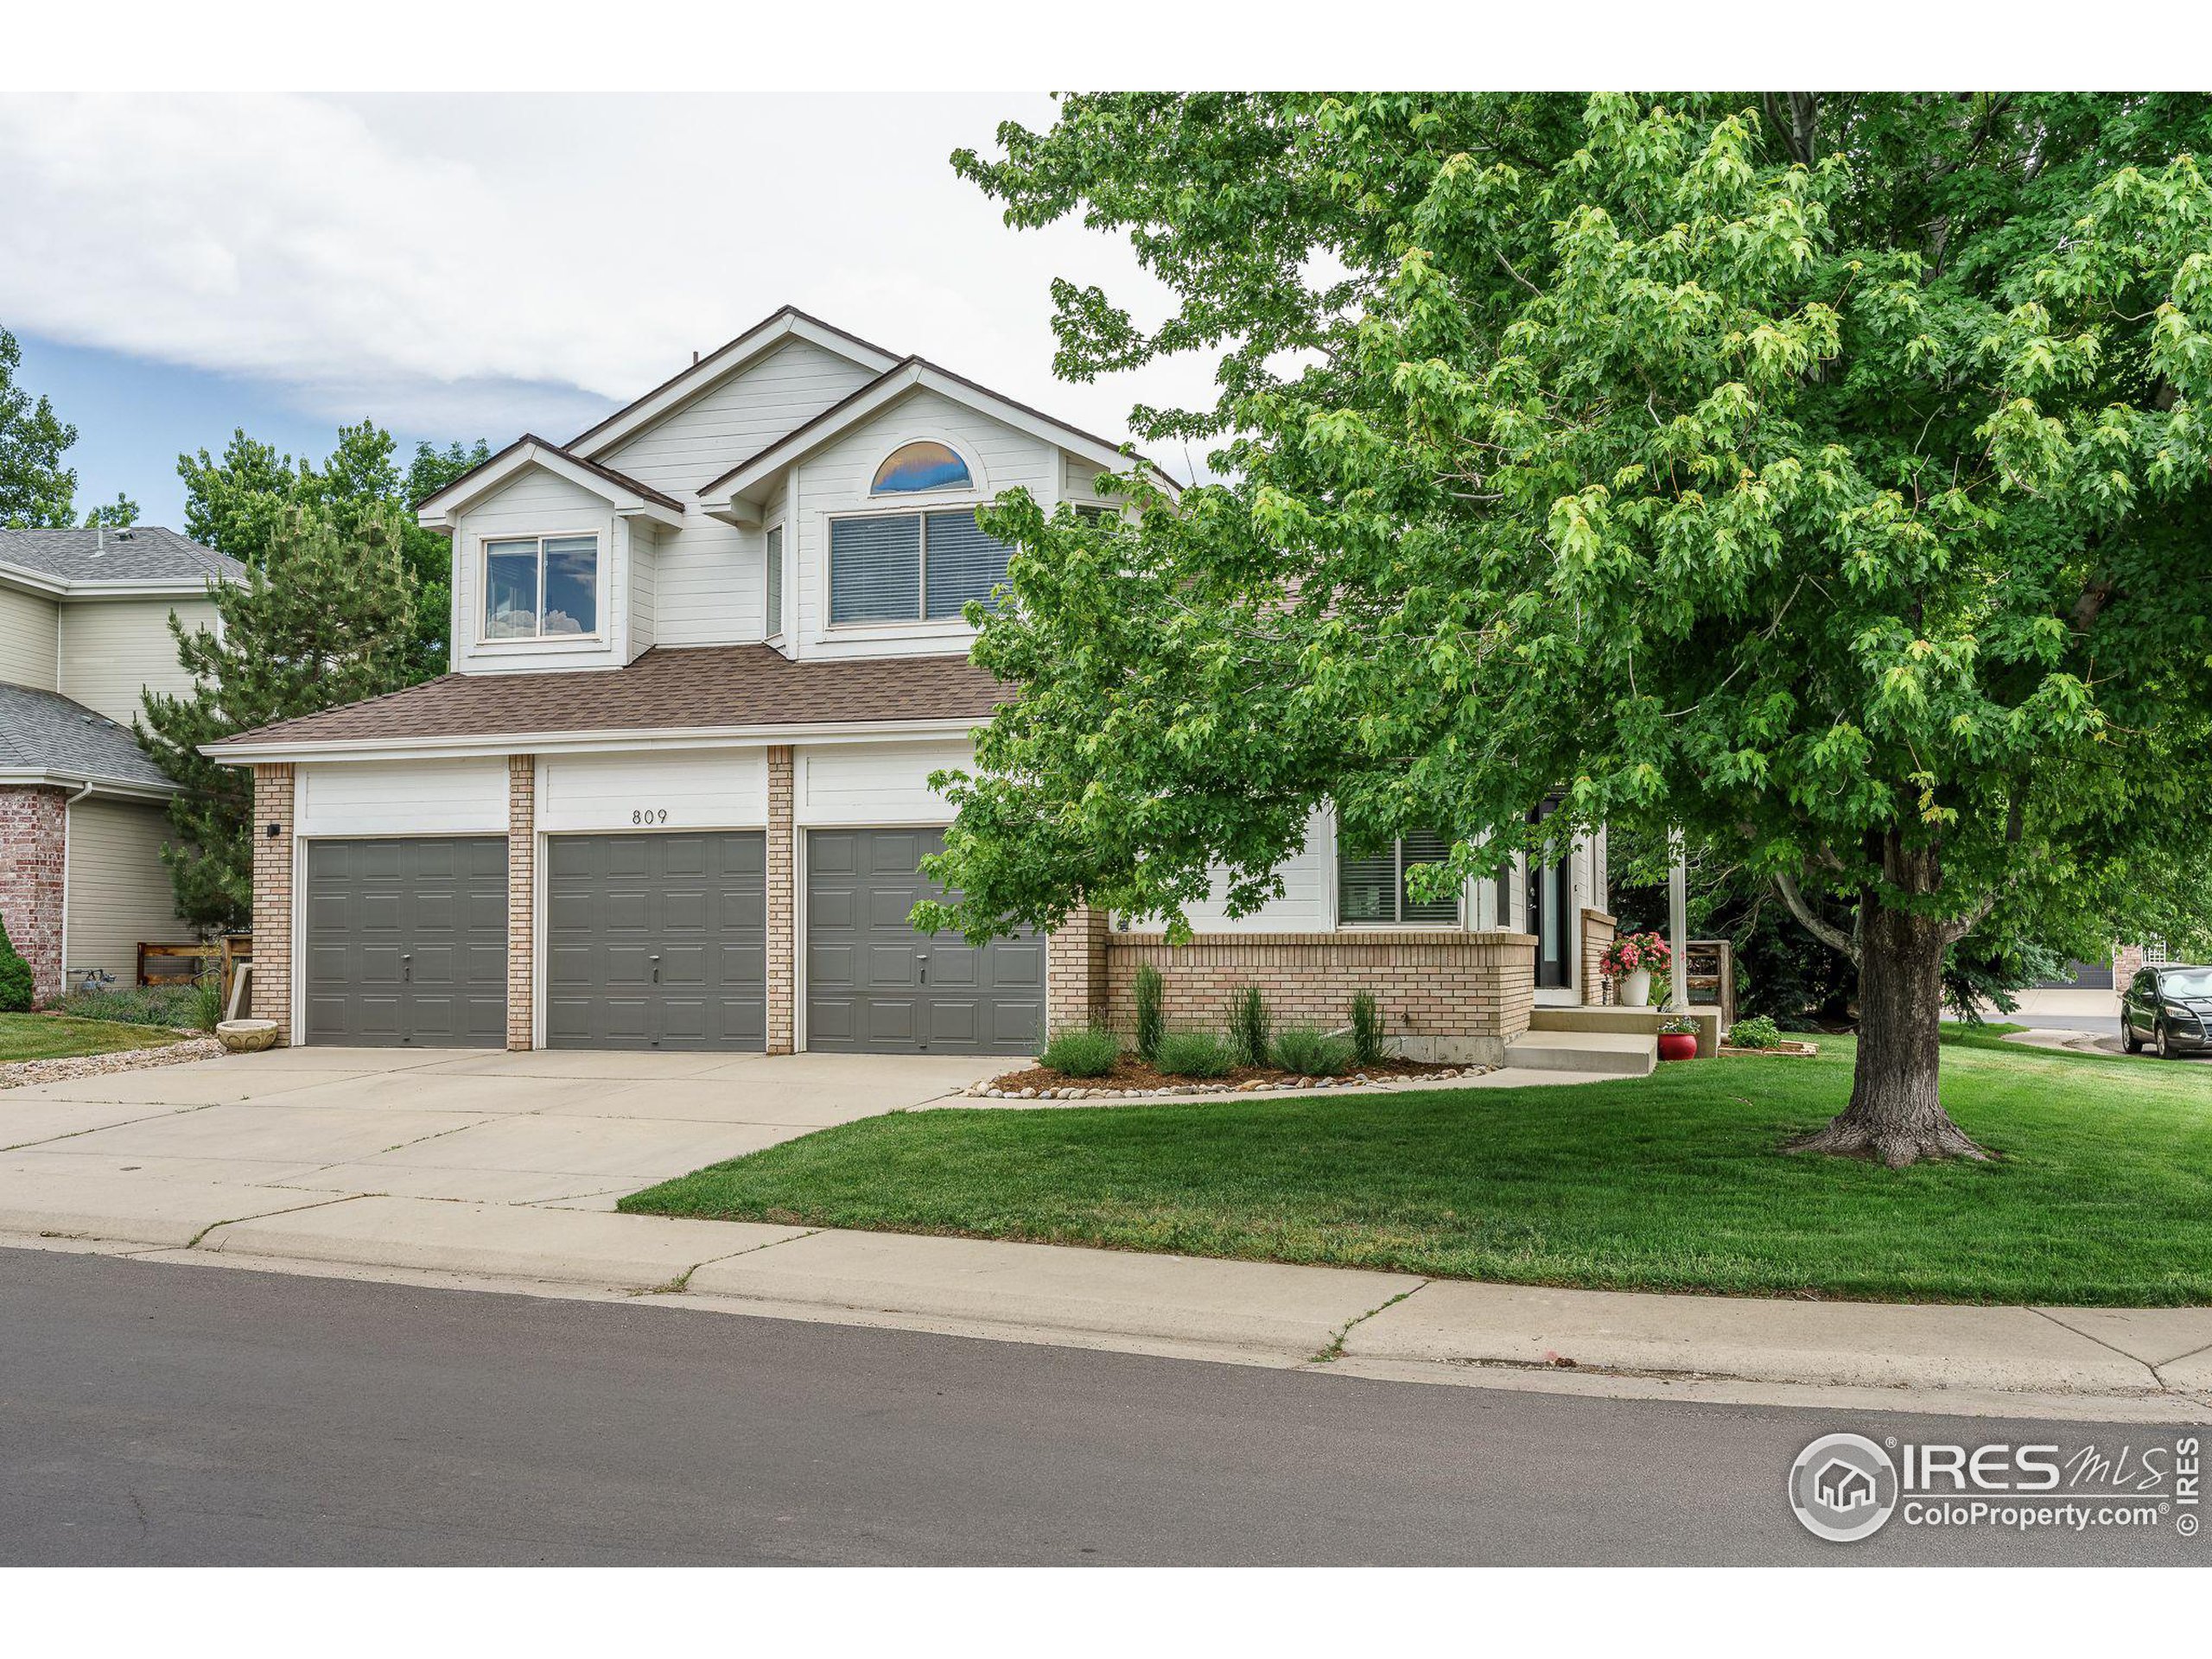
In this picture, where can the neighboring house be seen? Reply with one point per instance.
(84, 629)
(706, 656)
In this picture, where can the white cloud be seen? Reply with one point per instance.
(426, 258)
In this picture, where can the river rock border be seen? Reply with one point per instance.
(985, 1091)
(61, 1068)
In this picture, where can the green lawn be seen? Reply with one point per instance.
(52, 1037)
(1671, 1182)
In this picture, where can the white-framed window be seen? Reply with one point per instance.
(911, 566)
(773, 603)
(541, 587)
(1371, 886)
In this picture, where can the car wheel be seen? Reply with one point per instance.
(2158, 1037)
(2128, 1040)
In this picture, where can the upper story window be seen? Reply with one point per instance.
(925, 464)
(911, 567)
(541, 587)
(772, 607)
(1371, 887)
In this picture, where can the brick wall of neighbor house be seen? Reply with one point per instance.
(2126, 962)
(1598, 930)
(272, 897)
(34, 856)
(1444, 996)
(1075, 971)
(783, 898)
(522, 897)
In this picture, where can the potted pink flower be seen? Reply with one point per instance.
(1631, 961)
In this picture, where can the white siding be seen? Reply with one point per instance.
(643, 539)
(708, 789)
(1308, 904)
(1079, 479)
(26, 640)
(869, 784)
(412, 797)
(737, 418)
(111, 648)
(540, 504)
(836, 479)
(709, 577)
(119, 892)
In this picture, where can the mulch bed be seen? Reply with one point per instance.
(1781, 1048)
(1134, 1076)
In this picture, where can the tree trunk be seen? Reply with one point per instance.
(1896, 1115)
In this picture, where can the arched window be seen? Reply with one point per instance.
(925, 464)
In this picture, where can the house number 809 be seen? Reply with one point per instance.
(649, 814)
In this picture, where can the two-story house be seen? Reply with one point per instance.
(84, 629)
(675, 790)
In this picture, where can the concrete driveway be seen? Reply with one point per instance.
(571, 1130)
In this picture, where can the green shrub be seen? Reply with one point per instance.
(143, 1005)
(204, 1008)
(1366, 1030)
(1150, 989)
(1757, 1032)
(1250, 1027)
(17, 987)
(1194, 1054)
(1083, 1051)
(1313, 1053)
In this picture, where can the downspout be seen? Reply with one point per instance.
(66, 805)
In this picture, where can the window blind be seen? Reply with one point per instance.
(964, 564)
(875, 570)
(774, 606)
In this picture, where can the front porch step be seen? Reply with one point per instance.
(1605, 1053)
(1633, 1021)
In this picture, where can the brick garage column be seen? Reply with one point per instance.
(272, 897)
(1075, 971)
(34, 855)
(783, 868)
(522, 900)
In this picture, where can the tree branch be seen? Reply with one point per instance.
(1828, 934)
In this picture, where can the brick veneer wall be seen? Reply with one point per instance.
(33, 858)
(521, 897)
(783, 898)
(272, 897)
(1598, 932)
(1075, 970)
(1455, 996)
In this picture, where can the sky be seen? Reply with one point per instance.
(457, 266)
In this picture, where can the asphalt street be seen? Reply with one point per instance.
(152, 1413)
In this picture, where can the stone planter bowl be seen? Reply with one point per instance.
(247, 1036)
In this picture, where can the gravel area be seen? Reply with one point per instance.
(16, 1073)
(989, 1088)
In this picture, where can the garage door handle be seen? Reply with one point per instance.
(656, 963)
(406, 969)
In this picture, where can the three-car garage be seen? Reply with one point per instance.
(651, 908)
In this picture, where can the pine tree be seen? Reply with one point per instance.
(332, 625)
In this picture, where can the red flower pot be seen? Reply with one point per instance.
(1677, 1046)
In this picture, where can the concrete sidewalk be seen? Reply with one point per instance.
(2152, 1366)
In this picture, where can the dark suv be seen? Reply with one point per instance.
(2168, 1007)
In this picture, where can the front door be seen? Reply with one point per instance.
(1551, 891)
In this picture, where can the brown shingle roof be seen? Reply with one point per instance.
(697, 688)
(622, 480)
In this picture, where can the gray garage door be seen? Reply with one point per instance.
(407, 943)
(875, 985)
(657, 941)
